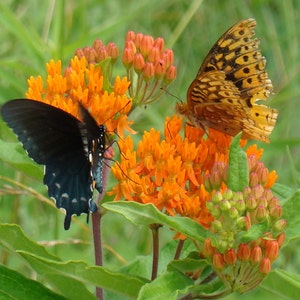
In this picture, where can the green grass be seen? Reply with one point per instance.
(32, 32)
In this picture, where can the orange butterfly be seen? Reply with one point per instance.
(229, 82)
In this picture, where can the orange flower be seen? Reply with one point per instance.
(83, 82)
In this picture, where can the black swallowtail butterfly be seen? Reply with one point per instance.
(71, 150)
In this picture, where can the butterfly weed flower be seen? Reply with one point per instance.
(190, 176)
(149, 67)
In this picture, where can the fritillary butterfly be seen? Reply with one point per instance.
(229, 82)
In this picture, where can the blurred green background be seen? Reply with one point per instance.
(32, 32)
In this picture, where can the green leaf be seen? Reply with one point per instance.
(291, 212)
(14, 154)
(168, 286)
(13, 238)
(254, 232)
(13, 285)
(34, 46)
(146, 214)
(283, 284)
(72, 277)
(238, 177)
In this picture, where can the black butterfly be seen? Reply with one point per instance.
(71, 150)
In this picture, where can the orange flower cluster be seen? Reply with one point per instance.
(170, 173)
(189, 177)
(84, 82)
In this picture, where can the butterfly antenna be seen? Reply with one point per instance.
(170, 94)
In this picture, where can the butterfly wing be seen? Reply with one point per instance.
(54, 138)
(229, 82)
(216, 102)
(237, 54)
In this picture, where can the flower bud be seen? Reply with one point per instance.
(218, 261)
(280, 239)
(217, 197)
(243, 252)
(160, 68)
(127, 57)
(154, 54)
(253, 179)
(138, 63)
(225, 205)
(146, 44)
(260, 213)
(251, 203)
(168, 57)
(130, 36)
(216, 225)
(241, 223)
(159, 43)
(265, 266)
(148, 71)
(97, 45)
(228, 194)
(272, 250)
(240, 205)
(233, 213)
(276, 211)
(208, 250)
(138, 39)
(256, 255)
(112, 51)
(230, 257)
(171, 74)
(258, 191)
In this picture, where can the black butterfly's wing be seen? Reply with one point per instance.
(55, 138)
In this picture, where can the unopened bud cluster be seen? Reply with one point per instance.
(99, 53)
(242, 265)
(149, 67)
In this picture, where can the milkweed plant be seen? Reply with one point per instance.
(210, 190)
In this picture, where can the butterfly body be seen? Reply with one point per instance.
(65, 145)
(96, 157)
(229, 82)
